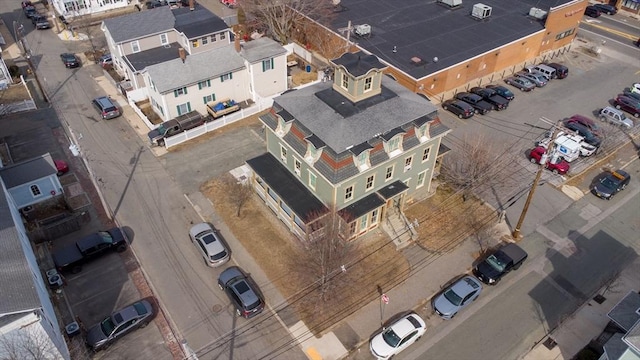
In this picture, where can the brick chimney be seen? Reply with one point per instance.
(236, 42)
(183, 54)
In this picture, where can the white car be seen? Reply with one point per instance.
(209, 244)
(635, 88)
(397, 337)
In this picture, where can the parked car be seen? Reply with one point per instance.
(456, 297)
(561, 70)
(495, 266)
(105, 60)
(628, 104)
(631, 94)
(61, 166)
(40, 22)
(106, 107)
(585, 132)
(606, 8)
(115, 326)
(558, 166)
(502, 91)
(70, 258)
(29, 10)
(242, 292)
(591, 124)
(538, 79)
(520, 83)
(209, 244)
(458, 107)
(480, 106)
(70, 60)
(616, 117)
(492, 97)
(635, 88)
(610, 183)
(397, 336)
(592, 11)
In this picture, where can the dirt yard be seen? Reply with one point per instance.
(14, 93)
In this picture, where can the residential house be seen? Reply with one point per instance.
(74, 8)
(361, 146)
(625, 345)
(28, 324)
(182, 59)
(32, 181)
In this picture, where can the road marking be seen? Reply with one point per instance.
(313, 354)
(612, 31)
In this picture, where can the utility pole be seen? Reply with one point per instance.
(541, 167)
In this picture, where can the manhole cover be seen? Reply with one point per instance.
(217, 308)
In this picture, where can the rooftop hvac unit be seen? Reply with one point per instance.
(451, 3)
(481, 11)
(537, 13)
(362, 30)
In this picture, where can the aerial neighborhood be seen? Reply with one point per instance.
(316, 179)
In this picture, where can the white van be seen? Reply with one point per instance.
(547, 71)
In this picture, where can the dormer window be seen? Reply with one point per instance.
(282, 128)
(345, 81)
(312, 154)
(362, 160)
(423, 132)
(393, 145)
(368, 83)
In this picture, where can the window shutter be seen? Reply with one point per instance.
(264, 67)
(204, 100)
(185, 91)
(175, 93)
(188, 106)
(179, 112)
(208, 83)
(213, 97)
(230, 76)
(221, 78)
(200, 86)
(272, 63)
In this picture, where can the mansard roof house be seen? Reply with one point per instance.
(362, 146)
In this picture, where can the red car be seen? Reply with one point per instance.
(559, 167)
(590, 123)
(61, 166)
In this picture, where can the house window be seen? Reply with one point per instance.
(223, 35)
(209, 98)
(362, 160)
(394, 144)
(374, 217)
(312, 180)
(205, 40)
(267, 65)
(363, 223)
(407, 163)
(183, 108)
(296, 166)
(312, 152)
(283, 154)
(195, 43)
(348, 193)
(370, 181)
(425, 154)
(422, 132)
(352, 228)
(214, 38)
(181, 91)
(135, 46)
(421, 177)
(226, 77)
(164, 39)
(35, 190)
(204, 84)
(368, 83)
(345, 81)
(389, 173)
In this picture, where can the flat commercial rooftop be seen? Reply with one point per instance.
(425, 29)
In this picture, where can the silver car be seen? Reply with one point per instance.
(209, 244)
(456, 296)
(538, 79)
(616, 117)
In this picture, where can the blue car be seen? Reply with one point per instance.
(456, 297)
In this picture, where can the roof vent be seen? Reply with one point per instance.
(416, 61)
(481, 11)
(537, 13)
(451, 3)
(362, 30)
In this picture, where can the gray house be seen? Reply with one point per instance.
(625, 345)
(28, 323)
(32, 181)
(361, 146)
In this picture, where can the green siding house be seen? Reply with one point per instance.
(361, 146)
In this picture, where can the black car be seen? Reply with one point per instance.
(610, 183)
(583, 131)
(481, 106)
(592, 11)
(29, 11)
(41, 22)
(492, 97)
(70, 60)
(154, 4)
(606, 8)
(460, 108)
(495, 266)
(561, 70)
(628, 93)
(502, 91)
(113, 327)
(242, 292)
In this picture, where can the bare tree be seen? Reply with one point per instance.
(27, 343)
(239, 192)
(475, 162)
(482, 229)
(282, 17)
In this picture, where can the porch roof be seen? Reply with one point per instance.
(392, 189)
(361, 207)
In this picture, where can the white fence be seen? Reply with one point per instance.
(260, 104)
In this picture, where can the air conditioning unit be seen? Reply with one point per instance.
(72, 329)
(451, 3)
(54, 279)
(362, 30)
(481, 11)
(537, 13)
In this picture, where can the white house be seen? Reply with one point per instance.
(73, 8)
(32, 181)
